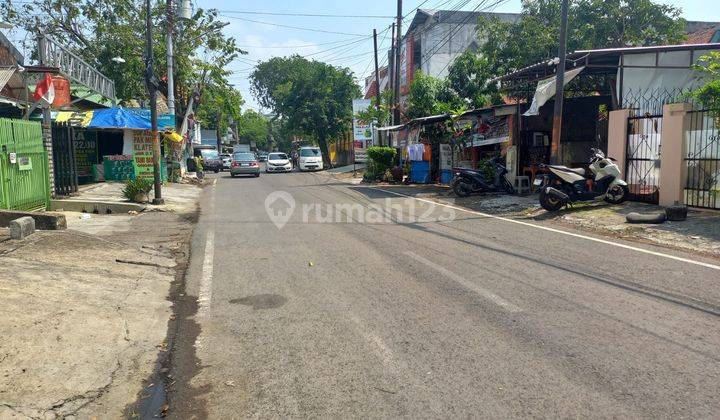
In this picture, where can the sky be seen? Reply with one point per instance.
(346, 41)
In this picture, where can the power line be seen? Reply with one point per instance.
(493, 6)
(299, 28)
(365, 72)
(293, 46)
(322, 15)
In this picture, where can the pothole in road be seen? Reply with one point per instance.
(264, 301)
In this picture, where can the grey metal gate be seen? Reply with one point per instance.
(702, 160)
(644, 145)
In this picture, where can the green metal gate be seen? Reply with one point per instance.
(24, 180)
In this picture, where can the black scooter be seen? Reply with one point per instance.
(469, 181)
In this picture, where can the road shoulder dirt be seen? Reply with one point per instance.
(86, 310)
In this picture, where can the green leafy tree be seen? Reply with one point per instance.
(379, 115)
(253, 127)
(219, 104)
(313, 98)
(468, 77)
(591, 24)
(101, 31)
(708, 94)
(422, 98)
(508, 46)
(431, 96)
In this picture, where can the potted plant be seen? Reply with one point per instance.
(137, 190)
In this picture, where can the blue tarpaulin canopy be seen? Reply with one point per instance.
(115, 118)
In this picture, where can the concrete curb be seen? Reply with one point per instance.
(22, 227)
(99, 207)
(46, 220)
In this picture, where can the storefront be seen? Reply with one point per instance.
(116, 144)
(482, 134)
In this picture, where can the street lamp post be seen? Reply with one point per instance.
(152, 90)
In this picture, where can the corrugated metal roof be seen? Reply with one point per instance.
(6, 72)
(606, 53)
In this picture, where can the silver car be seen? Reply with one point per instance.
(244, 163)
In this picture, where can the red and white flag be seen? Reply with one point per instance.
(45, 90)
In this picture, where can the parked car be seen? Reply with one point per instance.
(226, 160)
(244, 163)
(278, 162)
(210, 158)
(310, 159)
(262, 156)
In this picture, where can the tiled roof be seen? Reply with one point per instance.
(703, 36)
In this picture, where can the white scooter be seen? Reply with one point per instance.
(564, 186)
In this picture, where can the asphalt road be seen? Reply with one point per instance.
(431, 317)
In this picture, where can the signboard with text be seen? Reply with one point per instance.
(143, 155)
(362, 130)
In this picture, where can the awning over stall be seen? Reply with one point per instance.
(114, 118)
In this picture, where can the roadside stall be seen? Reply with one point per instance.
(481, 134)
(115, 144)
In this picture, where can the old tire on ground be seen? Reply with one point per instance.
(617, 194)
(549, 202)
(676, 213)
(653, 218)
(461, 189)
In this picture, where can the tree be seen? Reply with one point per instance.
(422, 98)
(378, 115)
(508, 46)
(432, 96)
(219, 104)
(591, 24)
(468, 77)
(314, 98)
(253, 127)
(99, 31)
(708, 94)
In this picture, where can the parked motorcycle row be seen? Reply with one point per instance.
(561, 186)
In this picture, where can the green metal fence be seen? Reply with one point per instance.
(24, 180)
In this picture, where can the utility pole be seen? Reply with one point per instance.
(559, 87)
(377, 75)
(170, 61)
(391, 73)
(398, 49)
(152, 88)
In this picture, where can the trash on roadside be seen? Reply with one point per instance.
(133, 213)
(230, 383)
(311, 264)
(85, 216)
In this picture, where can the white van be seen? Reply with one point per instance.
(310, 159)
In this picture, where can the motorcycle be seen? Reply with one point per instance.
(469, 181)
(564, 186)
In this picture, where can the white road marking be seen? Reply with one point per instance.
(386, 355)
(205, 293)
(466, 283)
(549, 229)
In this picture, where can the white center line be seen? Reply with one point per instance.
(466, 283)
(549, 229)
